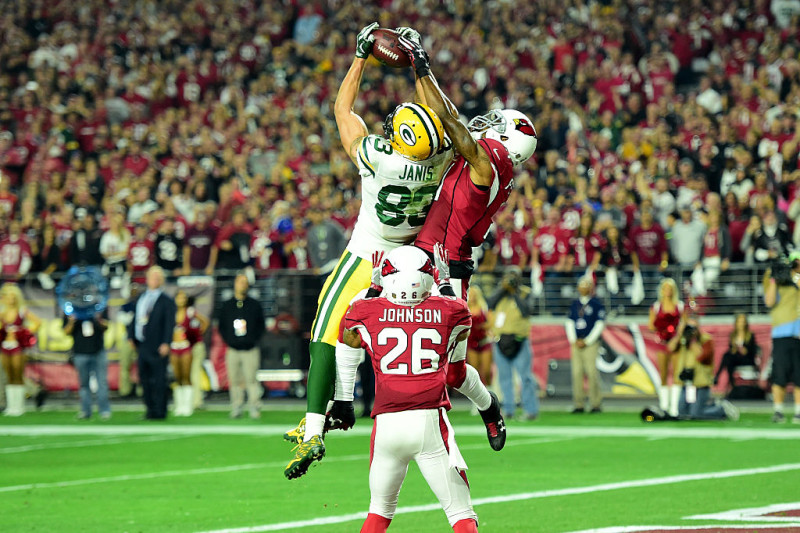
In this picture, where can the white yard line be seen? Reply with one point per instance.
(715, 527)
(604, 487)
(86, 443)
(672, 431)
(222, 469)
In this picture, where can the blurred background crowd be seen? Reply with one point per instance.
(200, 135)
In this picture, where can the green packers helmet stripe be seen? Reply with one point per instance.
(428, 124)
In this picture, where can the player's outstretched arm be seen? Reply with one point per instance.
(481, 171)
(351, 126)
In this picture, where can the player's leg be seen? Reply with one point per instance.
(466, 380)
(396, 439)
(351, 276)
(447, 482)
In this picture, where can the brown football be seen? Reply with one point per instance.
(387, 50)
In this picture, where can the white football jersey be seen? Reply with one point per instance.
(396, 195)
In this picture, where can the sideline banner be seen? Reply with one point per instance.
(627, 360)
(48, 362)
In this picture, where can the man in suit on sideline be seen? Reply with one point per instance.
(151, 332)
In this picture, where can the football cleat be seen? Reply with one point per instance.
(495, 425)
(296, 435)
(305, 454)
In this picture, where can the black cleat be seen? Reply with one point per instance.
(495, 425)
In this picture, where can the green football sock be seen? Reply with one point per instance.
(321, 376)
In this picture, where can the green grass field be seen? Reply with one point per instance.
(562, 473)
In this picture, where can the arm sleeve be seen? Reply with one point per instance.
(572, 335)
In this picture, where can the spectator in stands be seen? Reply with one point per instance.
(84, 246)
(769, 240)
(46, 254)
(694, 362)
(141, 254)
(325, 241)
(241, 325)
(114, 245)
(716, 249)
(18, 327)
(479, 342)
(585, 246)
(197, 244)
(782, 298)
(266, 246)
(15, 253)
(585, 324)
(90, 358)
(512, 351)
(648, 244)
(551, 244)
(231, 249)
(686, 239)
(511, 244)
(168, 248)
(743, 352)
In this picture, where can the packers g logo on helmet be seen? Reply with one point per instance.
(414, 130)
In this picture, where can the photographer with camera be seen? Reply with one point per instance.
(511, 306)
(782, 297)
(694, 370)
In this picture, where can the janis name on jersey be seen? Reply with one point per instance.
(417, 173)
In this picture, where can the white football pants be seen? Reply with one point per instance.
(423, 436)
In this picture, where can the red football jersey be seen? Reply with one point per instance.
(461, 213)
(141, 256)
(552, 243)
(410, 349)
(12, 255)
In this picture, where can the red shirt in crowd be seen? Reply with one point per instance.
(649, 244)
(553, 243)
(15, 256)
(141, 256)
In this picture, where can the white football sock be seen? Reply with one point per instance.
(475, 390)
(315, 422)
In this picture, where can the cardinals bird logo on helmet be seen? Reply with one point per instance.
(512, 128)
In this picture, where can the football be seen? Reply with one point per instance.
(386, 49)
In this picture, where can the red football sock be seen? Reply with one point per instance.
(376, 523)
(468, 525)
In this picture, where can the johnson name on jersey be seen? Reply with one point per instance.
(396, 195)
(409, 348)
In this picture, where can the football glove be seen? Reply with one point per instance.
(409, 33)
(341, 416)
(365, 40)
(419, 57)
(377, 260)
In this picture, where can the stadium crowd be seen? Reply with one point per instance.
(200, 135)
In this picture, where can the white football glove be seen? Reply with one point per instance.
(409, 33)
(377, 263)
(441, 261)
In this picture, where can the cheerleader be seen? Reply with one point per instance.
(17, 333)
(189, 329)
(479, 343)
(665, 316)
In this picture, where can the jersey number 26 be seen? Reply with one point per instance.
(423, 360)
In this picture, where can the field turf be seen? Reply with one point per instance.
(562, 473)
